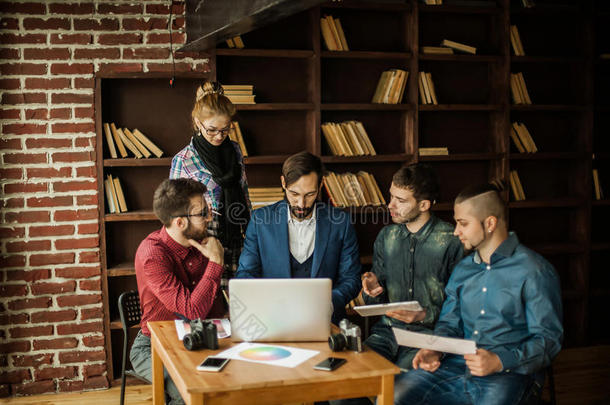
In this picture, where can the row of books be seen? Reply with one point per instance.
(459, 46)
(135, 141)
(427, 93)
(263, 196)
(390, 87)
(235, 42)
(114, 195)
(348, 138)
(515, 186)
(518, 89)
(332, 33)
(597, 188)
(353, 189)
(515, 40)
(239, 93)
(236, 136)
(433, 2)
(522, 138)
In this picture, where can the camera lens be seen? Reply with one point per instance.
(337, 342)
(193, 341)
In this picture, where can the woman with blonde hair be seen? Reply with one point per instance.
(214, 160)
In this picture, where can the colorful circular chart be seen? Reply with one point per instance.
(265, 353)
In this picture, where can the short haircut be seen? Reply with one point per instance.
(302, 164)
(173, 197)
(210, 101)
(486, 200)
(420, 179)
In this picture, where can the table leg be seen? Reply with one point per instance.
(387, 391)
(157, 378)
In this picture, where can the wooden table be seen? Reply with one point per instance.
(240, 382)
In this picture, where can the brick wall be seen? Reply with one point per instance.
(51, 329)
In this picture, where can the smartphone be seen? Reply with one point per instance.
(212, 364)
(329, 364)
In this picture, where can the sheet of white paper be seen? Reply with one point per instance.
(223, 328)
(381, 309)
(272, 355)
(438, 343)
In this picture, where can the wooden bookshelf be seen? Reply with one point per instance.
(299, 85)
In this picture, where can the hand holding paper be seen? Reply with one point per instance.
(428, 360)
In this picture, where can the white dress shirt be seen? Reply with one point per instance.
(301, 236)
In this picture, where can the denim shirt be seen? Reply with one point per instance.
(415, 266)
(511, 307)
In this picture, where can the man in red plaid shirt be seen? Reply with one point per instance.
(178, 268)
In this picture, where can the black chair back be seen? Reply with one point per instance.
(130, 313)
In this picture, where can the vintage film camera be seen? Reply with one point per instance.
(203, 336)
(349, 338)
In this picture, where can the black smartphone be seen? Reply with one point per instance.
(329, 364)
(212, 364)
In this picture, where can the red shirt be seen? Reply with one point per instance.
(173, 278)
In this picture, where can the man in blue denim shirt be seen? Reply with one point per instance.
(505, 297)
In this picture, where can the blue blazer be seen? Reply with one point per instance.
(266, 251)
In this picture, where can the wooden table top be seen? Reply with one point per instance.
(240, 375)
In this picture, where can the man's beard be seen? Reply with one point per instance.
(304, 212)
(411, 216)
(195, 234)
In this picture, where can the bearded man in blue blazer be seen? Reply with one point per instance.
(301, 237)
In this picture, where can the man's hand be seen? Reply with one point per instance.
(483, 363)
(407, 316)
(428, 360)
(211, 248)
(371, 285)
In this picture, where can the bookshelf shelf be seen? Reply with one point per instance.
(461, 157)
(399, 157)
(460, 58)
(275, 106)
(266, 53)
(366, 55)
(365, 106)
(131, 216)
(120, 270)
(130, 162)
(460, 107)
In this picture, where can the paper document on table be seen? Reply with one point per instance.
(272, 355)
(381, 309)
(438, 343)
(223, 328)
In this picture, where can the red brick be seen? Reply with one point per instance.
(88, 171)
(85, 142)
(89, 24)
(88, 229)
(81, 356)
(164, 9)
(11, 173)
(16, 346)
(178, 23)
(97, 53)
(90, 285)
(84, 112)
(74, 186)
(7, 53)
(89, 257)
(84, 243)
(78, 300)
(10, 84)
(37, 114)
(71, 39)
(55, 316)
(13, 290)
(78, 272)
(25, 188)
(91, 313)
(93, 341)
(9, 23)
(57, 83)
(83, 83)
(27, 275)
(15, 377)
(202, 68)
(6, 233)
(79, 328)
(9, 114)
(42, 302)
(93, 370)
(18, 319)
(54, 230)
(7, 7)
(33, 388)
(71, 98)
(144, 24)
(25, 158)
(96, 383)
(10, 144)
(53, 288)
(31, 246)
(46, 24)
(70, 386)
(167, 67)
(120, 67)
(105, 8)
(71, 8)
(16, 39)
(145, 53)
(27, 217)
(46, 53)
(119, 39)
(71, 68)
(24, 98)
(48, 172)
(61, 113)
(49, 201)
(51, 258)
(86, 199)
(12, 261)
(70, 157)
(48, 373)
(52, 344)
(31, 332)
(21, 129)
(78, 215)
(21, 69)
(177, 38)
(12, 203)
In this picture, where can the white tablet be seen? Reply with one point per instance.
(381, 309)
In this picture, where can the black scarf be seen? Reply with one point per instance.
(222, 163)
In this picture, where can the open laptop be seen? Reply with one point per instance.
(276, 310)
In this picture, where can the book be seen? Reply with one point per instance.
(515, 90)
(516, 141)
(378, 95)
(526, 96)
(241, 99)
(437, 50)
(599, 194)
(147, 142)
(397, 90)
(236, 133)
(327, 35)
(459, 47)
(120, 195)
(128, 144)
(115, 200)
(230, 43)
(353, 138)
(516, 186)
(108, 188)
(431, 87)
(515, 40)
(334, 32)
(109, 141)
(525, 137)
(341, 35)
(365, 137)
(237, 87)
(263, 196)
(136, 143)
(334, 148)
(238, 42)
(118, 140)
(422, 92)
(426, 88)
(440, 151)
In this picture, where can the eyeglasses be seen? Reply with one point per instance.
(214, 132)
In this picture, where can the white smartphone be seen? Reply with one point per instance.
(213, 364)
